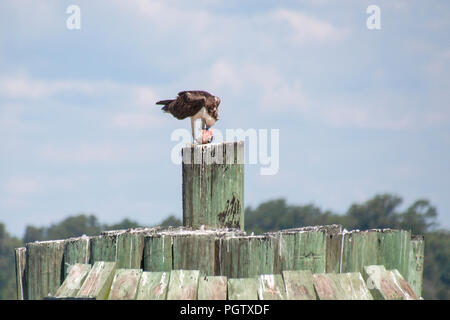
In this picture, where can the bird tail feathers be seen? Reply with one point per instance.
(164, 102)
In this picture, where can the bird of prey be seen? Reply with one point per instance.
(196, 105)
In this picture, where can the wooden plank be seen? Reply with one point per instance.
(271, 287)
(333, 252)
(20, 263)
(213, 190)
(43, 268)
(243, 257)
(98, 282)
(301, 249)
(104, 247)
(158, 252)
(352, 286)
(299, 285)
(360, 248)
(212, 288)
(381, 284)
(125, 284)
(77, 273)
(394, 250)
(76, 250)
(195, 252)
(408, 292)
(153, 286)
(183, 285)
(416, 260)
(130, 249)
(243, 289)
(326, 287)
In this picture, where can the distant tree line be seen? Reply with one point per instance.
(382, 211)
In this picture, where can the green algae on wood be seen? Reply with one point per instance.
(20, 262)
(44, 262)
(213, 185)
(195, 252)
(153, 286)
(183, 285)
(158, 252)
(98, 282)
(76, 250)
(212, 288)
(416, 255)
(77, 273)
(271, 287)
(299, 285)
(243, 289)
(246, 256)
(125, 284)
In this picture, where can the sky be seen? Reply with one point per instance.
(360, 111)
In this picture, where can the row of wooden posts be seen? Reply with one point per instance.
(42, 266)
(104, 281)
(213, 239)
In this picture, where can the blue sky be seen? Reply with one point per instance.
(360, 111)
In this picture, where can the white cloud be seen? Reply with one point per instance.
(306, 28)
(135, 120)
(84, 153)
(165, 16)
(22, 186)
(272, 88)
(96, 153)
(360, 116)
(23, 86)
(135, 103)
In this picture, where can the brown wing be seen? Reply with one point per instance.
(187, 104)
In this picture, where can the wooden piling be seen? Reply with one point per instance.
(76, 250)
(153, 286)
(183, 285)
(76, 275)
(300, 249)
(246, 256)
(20, 259)
(98, 282)
(415, 270)
(212, 288)
(299, 285)
(158, 252)
(213, 185)
(195, 252)
(125, 284)
(271, 287)
(243, 289)
(44, 265)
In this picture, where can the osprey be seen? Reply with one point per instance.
(196, 105)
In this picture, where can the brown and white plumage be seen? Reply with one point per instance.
(196, 105)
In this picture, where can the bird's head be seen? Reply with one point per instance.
(217, 100)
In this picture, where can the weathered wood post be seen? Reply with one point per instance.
(213, 185)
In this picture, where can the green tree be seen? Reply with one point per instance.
(124, 224)
(171, 221)
(378, 212)
(7, 271)
(33, 234)
(420, 217)
(73, 226)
